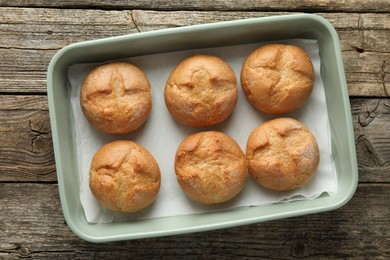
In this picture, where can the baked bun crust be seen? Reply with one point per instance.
(124, 176)
(282, 154)
(116, 98)
(210, 167)
(201, 91)
(277, 78)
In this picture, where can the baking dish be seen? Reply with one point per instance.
(304, 26)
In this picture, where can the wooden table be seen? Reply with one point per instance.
(31, 220)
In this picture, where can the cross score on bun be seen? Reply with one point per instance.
(124, 176)
(116, 98)
(282, 154)
(210, 167)
(201, 91)
(277, 78)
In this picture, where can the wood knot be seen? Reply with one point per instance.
(24, 251)
(299, 249)
(40, 132)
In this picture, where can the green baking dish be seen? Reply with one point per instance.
(304, 26)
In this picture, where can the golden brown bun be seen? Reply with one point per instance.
(124, 176)
(282, 154)
(210, 167)
(277, 78)
(201, 91)
(116, 98)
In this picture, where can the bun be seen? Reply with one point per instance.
(282, 154)
(201, 91)
(116, 98)
(277, 78)
(124, 176)
(210, 167)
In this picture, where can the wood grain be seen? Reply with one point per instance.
(26, 149)
(26, 28)
(162, 19)
(372, 144)
(198, 5)
(28, 43)
(40, 232)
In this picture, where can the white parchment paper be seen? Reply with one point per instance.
(161, 135)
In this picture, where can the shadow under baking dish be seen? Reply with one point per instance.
(200, 36)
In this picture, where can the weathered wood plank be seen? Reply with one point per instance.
(40, 232)
(252, 5)
(372, 143)
(31, 40)
(54, 28)
(26, 152)
(367, 73)
(23, 70)
(152, 20)
(26, 149)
